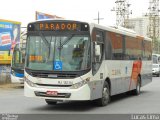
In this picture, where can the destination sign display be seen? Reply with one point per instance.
(58, 26)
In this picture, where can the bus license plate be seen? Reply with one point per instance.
(53, 93)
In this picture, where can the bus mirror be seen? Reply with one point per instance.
(97, 50)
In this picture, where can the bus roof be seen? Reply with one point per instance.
(56, 20)
(120, 30)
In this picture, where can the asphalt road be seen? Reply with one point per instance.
(13, 101)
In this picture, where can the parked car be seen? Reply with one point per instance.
(156, 69)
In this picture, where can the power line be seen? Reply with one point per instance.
(98, 19)
(122, 13)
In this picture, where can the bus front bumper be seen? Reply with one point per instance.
(15, 79)
(62, 94)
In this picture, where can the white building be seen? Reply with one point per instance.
(139, 25)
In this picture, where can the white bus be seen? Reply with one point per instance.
(17, 63)
(76, 61)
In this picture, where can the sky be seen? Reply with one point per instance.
(82, 10)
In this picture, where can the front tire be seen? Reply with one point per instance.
(105, 95)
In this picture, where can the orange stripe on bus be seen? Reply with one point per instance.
(136, 70)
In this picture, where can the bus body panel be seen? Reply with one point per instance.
(90, 91)
(17, 79)
(120, 79)
(83, 93)
(120, 75)
(146, 75)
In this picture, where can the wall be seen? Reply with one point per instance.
(5, 74)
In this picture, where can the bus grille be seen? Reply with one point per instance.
(51, 85)
(51, 75)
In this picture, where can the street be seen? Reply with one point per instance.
(13, 101)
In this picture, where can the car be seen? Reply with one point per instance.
(156, 69)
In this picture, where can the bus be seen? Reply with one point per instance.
(156, 64)
(70, 60)
(17, 63)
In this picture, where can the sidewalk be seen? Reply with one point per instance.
(11, 86)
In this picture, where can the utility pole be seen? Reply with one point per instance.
(153, 29)
(98, 18)
(122, 13)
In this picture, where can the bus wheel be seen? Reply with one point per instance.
(50, 102)
(138, 87)
(105, 95)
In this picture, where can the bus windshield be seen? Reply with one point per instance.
(68, 52)
(18, 57)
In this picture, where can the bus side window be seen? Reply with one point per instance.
(98, 53)
(99, 44)
(98, 50)
(108, 46)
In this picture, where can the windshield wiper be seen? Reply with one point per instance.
(45, 42)
(65, 42)
(44, 39)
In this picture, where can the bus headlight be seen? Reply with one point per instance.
(30, 83)
(12, 72)
(80, 84)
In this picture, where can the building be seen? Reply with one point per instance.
(9, 37)
(139, 25)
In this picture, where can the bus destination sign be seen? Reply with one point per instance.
(58, 26)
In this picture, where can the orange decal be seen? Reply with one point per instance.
(136, 70)
(31, 58)
(37, 58)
